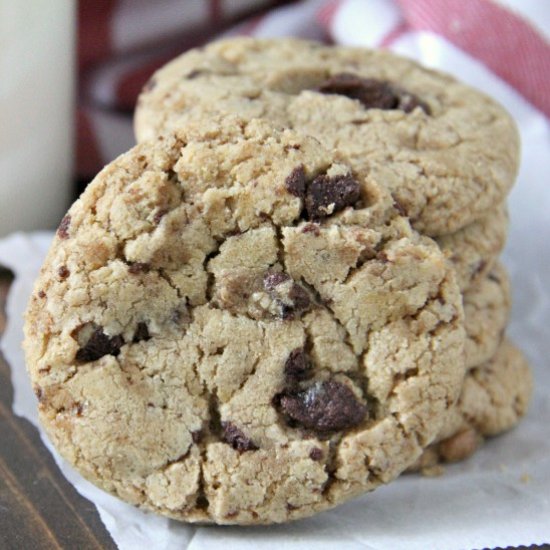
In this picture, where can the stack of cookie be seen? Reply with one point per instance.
(447, 153)
(288, 292)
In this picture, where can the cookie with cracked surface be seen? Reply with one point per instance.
(446, 152)
(486, 313)
(237, 339)
(494, 398)
(474, 249)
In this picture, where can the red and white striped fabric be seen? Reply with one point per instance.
(498, 46)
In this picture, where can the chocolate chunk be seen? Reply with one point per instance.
(327, 195)
(98, 345)
(295, 146)
(181, 315)
(159, 214)
(382, 256)
(194, 74)
(236, 438)
(196, 436)
(297, 365)
(291, 299)
(63, 229)
(142, 333)
(316, 454)
(372, 93)
(63, 272)
(296, 182)
(324, 407)
(273, 279)
(409, 102)
(41, 294)
(480, 267)
(299, 302)
(399, 207)
(312, 228)
(138, 267)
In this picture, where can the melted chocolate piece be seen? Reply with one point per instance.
(290, 297)
(142, 333)
(159, 214)
(327, 195)
(297, 365)
(138, 267)
(372, 93)
(272, 279)
(316, 454)
(327, 406)
(63, 229)
(98, 345)
(63, 272)
(296, 182)
(236, 438)
(300, 303)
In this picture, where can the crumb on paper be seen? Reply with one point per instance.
(525, 478)
(433, 471)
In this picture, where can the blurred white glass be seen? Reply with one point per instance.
(37, 44)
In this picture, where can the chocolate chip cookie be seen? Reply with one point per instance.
(494, 398)
(447, 153)
(474, 249)
(486, 313)
(225, 331)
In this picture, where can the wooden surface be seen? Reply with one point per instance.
(39, 509)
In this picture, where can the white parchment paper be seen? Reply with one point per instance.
(500, 497)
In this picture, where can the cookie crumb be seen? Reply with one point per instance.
(525, 478)
(433, 471)
(316, 454)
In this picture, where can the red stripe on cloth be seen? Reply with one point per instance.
(503, 41)
(88, 157)
(94, 30)
(326, 13)
(215, 11)
(394, 34)
(130, 84)
(249, 27)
